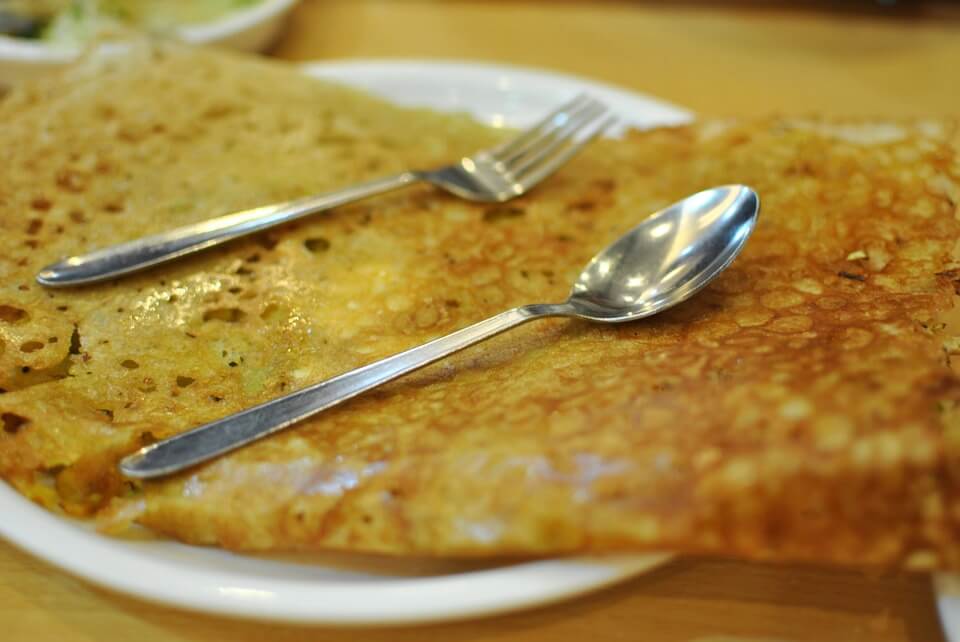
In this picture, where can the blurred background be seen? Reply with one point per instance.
(725, 58)
(851, 57)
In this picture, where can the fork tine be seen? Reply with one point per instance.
(545, 148)
(543, 135)
(515, 143)
(548, 166)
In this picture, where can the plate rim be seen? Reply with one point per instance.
(669, 113)
(152, 580)
(946, 590)
(41, 533)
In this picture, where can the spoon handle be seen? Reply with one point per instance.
(221, 436)
(133, 256)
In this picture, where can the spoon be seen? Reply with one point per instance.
(656, 265)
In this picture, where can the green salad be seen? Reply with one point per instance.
(74, 21)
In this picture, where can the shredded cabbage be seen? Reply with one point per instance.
(72, 22)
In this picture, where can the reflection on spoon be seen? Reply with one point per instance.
(656, 265)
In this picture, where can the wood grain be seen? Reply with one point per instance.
(718, 59)
(715, 60)
(702, 600)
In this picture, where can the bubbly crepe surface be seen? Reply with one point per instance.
(799, 408)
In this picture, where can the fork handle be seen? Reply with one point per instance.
(118, 260)
(216, 438)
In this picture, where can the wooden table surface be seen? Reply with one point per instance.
(718, 59)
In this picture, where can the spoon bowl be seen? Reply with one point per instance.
(667, 258)
(659, 263)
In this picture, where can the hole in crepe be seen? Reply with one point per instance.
(501, 212)
(582, 205)
(272, 313)
(253, 258)
(243, 271)
(106, 412)
(216, 399)
(317, 244)
(34, 226)
(605, 184)
(106, 112)
(11, 314)
(71, 181)
(227, 315)
(129, 364)
(53, 340)
(266, 241)
(235, 290)
(114, 207)
(31, 346)
(41, 204)
(12, 422)
(25, 369)
(63, 308)
(852, 276)
(75, 341)
(183, 382)
(217, 111)
(48, 476)
(233, 364)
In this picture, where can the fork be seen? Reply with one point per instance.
(490, 176)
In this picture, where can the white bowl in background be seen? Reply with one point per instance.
(249, 29)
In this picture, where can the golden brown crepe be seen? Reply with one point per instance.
(801, 408)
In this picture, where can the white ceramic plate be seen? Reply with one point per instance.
(339, 589)
(498, 95)
(947, 588)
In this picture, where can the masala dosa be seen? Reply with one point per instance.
(801, 408)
